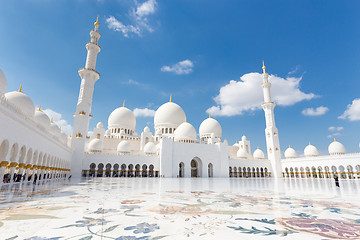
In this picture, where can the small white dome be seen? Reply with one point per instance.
(150, 148)
(3, 82)
(336, 148)
(146, 129)
(169, 114)
(99, 125)
(258, 154)
(311, 151)
(123, 147)
(243, 138)
(236, 144)
(122, 117)
(241, 153)
(185, 131)
(209, 126)
(42, 119)
(95, 145)
(290, 153)
(22, 102)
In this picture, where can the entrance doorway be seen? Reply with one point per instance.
(181, 169)
(195, 165)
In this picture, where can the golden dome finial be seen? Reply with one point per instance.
(20, 88)
(334, 140)
(209, 115)
(52, 120)
(263, 67)
(185, 119)
(309, 143)
(39, 109)
(96, 24)
(124, 103)
(289, 146)
(170, 98)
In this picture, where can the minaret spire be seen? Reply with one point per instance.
(271, 132)
(88, 76)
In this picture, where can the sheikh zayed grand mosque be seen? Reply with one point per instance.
(33, 147)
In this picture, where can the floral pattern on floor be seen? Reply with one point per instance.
(149, 208)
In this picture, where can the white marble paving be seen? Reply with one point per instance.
(165, 208)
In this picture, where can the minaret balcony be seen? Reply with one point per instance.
(83, 71)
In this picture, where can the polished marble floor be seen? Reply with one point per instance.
(159, 208)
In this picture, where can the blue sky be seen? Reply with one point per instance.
(311, 48)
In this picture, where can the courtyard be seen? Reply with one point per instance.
(181, 208)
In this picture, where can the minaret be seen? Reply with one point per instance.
(88, 76)
(271, 132)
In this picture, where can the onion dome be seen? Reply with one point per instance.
(3, 83)
(146, 129)
(123, 147)
(290, 153)
(311, 151)
(241, 153)
(185, 131)
(258, 154)
(209, 126)
(150, 148)
(22, 102)
(42, 118)
(236, 144)
(99, 125)
(122, 117)
(169, 115)
(336, 148)
(243, 138)
(95, 145)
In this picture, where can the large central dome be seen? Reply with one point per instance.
(122, 117)
(169, 114)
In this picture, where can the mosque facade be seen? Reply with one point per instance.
(33, 146)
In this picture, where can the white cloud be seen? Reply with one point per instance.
(352, 112)
(131, 82)
(118, 26)
(58, 120)
(144, 112)
(333, 129)
(246, 95)
(315, 111)
(138, 17)
(182, 67)
(294, 70)
(333, 135)
(146, 8)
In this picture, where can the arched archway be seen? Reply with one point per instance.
(100, 170)
(144, 170)
(181, 169)
(92, 170)
(151, 170)
(137, 170)
(123, 170)
(108, 170)
(210, 170)
(115, 171)
(195, 167)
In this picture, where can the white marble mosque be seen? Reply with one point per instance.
(34, 148)
(170, 182)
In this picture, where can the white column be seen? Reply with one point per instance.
(88, 76)
(271, 132)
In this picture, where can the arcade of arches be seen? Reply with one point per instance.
(349, 172)
(25, 164)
